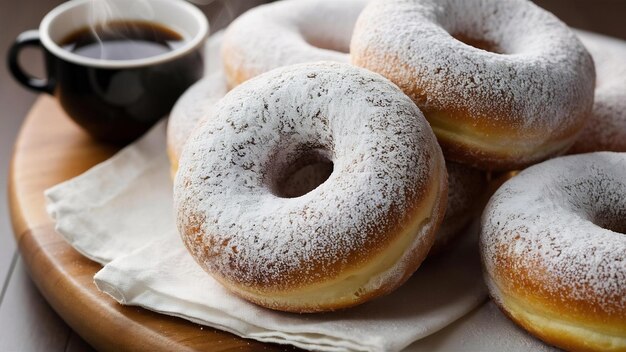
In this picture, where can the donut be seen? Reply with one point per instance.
(466, 189)
(358, 235)
(553, 246)
(288, 32)
(605, 129)
(195, 104)
(504, 84)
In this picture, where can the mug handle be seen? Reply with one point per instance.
(26, 39)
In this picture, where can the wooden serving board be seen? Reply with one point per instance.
(50, 149)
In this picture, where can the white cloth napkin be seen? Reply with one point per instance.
(120, 214)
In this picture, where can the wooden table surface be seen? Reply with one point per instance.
(27, 323)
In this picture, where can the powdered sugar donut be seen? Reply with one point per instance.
(358, 235)
(194, 105)
(288, 32)
(504, 84)
(606, 126)
(554, 250)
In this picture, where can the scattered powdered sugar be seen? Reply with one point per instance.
(383, 154)
(196, 103)
(606, 128)
(288, 32)
(563, 222)
(538, 85)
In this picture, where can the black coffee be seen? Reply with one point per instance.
(122, 40)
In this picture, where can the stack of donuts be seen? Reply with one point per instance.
(345, 141)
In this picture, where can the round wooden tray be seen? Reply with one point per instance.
(50, 149)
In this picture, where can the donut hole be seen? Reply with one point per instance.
(599, 199)
(613, 224)
(479, 43)
(612, 221)
(305, 172)
(327, 44)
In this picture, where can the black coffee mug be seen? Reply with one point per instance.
(115, 100)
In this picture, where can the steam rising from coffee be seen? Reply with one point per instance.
(103, 11)
(110, 36)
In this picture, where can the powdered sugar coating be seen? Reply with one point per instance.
(560, 226)
(532, 94)
(288, 32)
(195, 104)
(384, 155)
(606, 127)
